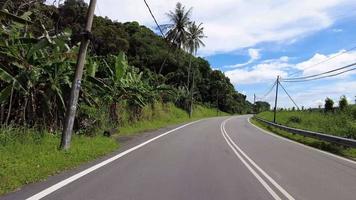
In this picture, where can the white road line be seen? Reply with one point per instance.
(280, 188)
(65, 182)
(303, 145)
(258, 177)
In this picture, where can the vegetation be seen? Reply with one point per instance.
(340, 122)
(326, 146)
(261, 106)
(343, 104)
(329, 105)
(38, 58)
(29, 155)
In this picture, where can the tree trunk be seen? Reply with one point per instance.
(10, 106)
(2, 114)
(113, 113)
(24, 111)
(189, 70)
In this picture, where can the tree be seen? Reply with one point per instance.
(177, 31)
(329, 105)
(262, 106)
(343, 104)
(193, 43)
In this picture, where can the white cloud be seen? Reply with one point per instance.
(336, 60)
(336, 30)
(234, 24)
(254, 55)
(267, 70)
(263, 72)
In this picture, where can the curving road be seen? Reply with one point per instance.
(218, 159)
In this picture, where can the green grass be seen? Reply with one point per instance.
(336, 123)
(28, 155)
(164, 115)
(326, 146)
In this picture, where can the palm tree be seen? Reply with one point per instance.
(193, 43)
(177, 29)
(180, 20)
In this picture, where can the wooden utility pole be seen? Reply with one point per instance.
(275, 101)
(254, 103)
(191, 97)
(217, 103)
(76, 84)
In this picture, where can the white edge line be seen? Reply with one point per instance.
(65, 182)
(280, 188)
(304, 145)
(258, 177)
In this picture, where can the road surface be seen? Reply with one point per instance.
(213, 159)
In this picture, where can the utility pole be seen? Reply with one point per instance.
(275, 101)
(73, 101)
(254, 103)
(217, 103)
(191, 97)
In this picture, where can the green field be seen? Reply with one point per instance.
(336, 123)
(29, 155)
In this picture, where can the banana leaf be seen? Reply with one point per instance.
(9, 16)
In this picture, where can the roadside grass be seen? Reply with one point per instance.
(336, 123)
(165, 115)
(29, 155)
(322, 145)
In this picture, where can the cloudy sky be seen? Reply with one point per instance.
(253, 41)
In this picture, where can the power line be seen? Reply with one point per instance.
(328, 59)
(154, 18)
(315, 75)
(317, 78)
(289, 95)
(268, 91)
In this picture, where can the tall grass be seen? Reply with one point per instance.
(339, 123)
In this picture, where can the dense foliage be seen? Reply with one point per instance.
(261, 106)
(123, 72)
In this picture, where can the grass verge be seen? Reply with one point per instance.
(28, 156)
(325, 146)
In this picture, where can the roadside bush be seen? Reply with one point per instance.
(295, 119)
(343, 104)
(353, 113)
(329, 105)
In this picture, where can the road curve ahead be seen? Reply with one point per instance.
(218, 159)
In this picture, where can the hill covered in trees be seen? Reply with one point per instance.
(129, 67)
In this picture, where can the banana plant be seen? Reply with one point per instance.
(37, 71)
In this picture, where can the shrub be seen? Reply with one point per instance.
(343, 104)
(329, 105)
(295, 119)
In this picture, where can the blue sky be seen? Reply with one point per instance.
(341, 35)
(253, 41)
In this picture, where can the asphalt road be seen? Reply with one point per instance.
(218, 159)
